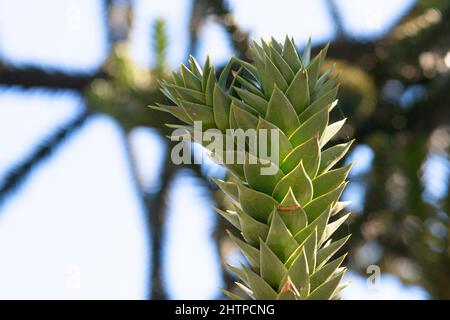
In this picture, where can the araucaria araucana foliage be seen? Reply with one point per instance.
(287, 218)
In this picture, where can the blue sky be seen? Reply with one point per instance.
(78, 216)
(70, 28)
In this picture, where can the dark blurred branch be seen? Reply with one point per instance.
(398, 45)
(343, 48)
(20, 172)
(156, 216)
(337, 19)
(196, 20)
(239, 38)
(224, 16)
(27, 77)
(155, 212)
(119, 20)
(420, 117)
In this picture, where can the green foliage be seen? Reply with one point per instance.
(287, 219)
(160, 43)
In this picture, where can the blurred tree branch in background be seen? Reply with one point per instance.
(17, 175)
(395, 91)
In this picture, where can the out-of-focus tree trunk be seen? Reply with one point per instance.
(156, 216)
